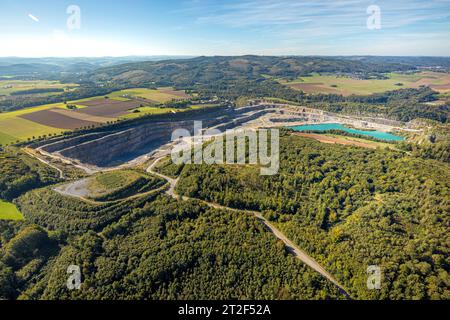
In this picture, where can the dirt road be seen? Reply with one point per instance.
(333, 140)
(295, 250)
(172, 182)
(34, 155)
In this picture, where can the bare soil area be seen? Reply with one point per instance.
(332, 140)
(108, 107)
(57, 120)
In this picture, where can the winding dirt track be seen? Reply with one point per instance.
(34, 155)
(295, 250)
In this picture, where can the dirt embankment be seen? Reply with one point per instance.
(327, 139)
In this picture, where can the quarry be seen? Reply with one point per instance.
(125, 144)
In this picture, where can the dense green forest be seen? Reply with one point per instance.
(349, 208)
(37, 91)
(187, 72)
(191, 252)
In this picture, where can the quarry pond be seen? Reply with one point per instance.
(337, 126)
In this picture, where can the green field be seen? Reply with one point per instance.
(8, 211)
(348, 86)
(13, 128)
(109, 181)
(160, 95)
(120, 184)
(10, 86)
(6, 139)
(146, 111)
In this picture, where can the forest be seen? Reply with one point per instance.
(349, 208)
(188, 72)
(191, 252)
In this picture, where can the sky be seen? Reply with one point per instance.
(44, 28)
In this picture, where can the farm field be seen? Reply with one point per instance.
(161, 95)
(347, 86)
(6, 139)
(22, 129)
(56, 118)
(9, 211)
(14, 125)
(143, 111)
(52, 119)
(7, 87)
(111, 108)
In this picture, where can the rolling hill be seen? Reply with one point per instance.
(186, 72)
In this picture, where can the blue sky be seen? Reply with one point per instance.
(230, 27)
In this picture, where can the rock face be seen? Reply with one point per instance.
(117, 144)
(122, 146)
(110, 148)
(65, 143)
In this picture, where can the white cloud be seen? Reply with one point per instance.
(324, 26)
(323, 16)
(32, 17)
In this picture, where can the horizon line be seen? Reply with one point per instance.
(227, 55)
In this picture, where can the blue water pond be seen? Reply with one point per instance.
(337, 126)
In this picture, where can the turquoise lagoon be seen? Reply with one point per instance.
(337, 126)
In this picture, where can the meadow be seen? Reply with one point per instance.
(160, 95)
(106, 182)
(148, 110)
(6, 139)
(9, 211)
(347, 86)
(7, 87)
(120, 184)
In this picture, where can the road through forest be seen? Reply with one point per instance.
(295, 250)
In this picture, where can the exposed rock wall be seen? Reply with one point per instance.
(64, 143)
(113, 148)
(120, 143)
